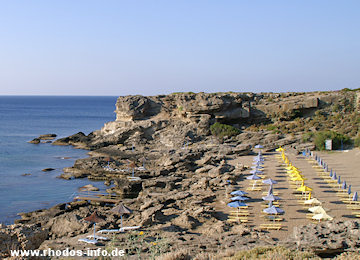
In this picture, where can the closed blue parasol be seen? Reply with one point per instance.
(349, 190)
(334, 177)
(344, 186)
(355, 197)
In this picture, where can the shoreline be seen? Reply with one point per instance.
(190, 167)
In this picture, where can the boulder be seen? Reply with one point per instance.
(151, 215)
(88, 187)
(66, 225)
(186, 221)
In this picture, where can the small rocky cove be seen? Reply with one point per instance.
(184, 173)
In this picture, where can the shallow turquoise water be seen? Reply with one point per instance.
(23, 118)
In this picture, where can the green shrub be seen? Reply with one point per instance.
(336, 138)
(221, 130)
(357, 142)
(307, 137)
(271, 127)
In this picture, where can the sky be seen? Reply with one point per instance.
(86, 47)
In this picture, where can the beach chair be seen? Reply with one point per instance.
(254, 188)
(118, 230)
(88, 241)
(97, 237)
(267, 226)
(240, 214)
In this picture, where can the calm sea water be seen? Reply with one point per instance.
(23, 118)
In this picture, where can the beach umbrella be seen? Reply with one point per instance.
(339, 180)
(269, 181)
(270, 197)
(238, 193)
(344, 186)
(322, 216)
(355, 197)
(331, 173)
(258, 159)
(239, 198)
(256, 172)
(334, 177)
(236, 204)
(312, 201)
(253, 177)
(273, 210)
(298, 178)
(120, 210)
(259, 146)
(270, 191)
(349, 190)
(108, 159)
(291, 167)
(304, 188)
(94, 218)
(257, 167)
(317, 209)
(258, 163)
(280, 149)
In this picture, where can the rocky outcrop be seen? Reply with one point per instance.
(45, 138)
(328, 237)
(178, 119)
(21, 237)
(66, 225)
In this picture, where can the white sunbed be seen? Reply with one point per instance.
(134, 178)
(89, 241)
(118, 230)
(97, 237)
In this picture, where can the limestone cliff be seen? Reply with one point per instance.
(172, 120)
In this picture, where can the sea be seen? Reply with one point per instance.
(23, 185)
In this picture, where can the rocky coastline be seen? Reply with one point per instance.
(183, 171)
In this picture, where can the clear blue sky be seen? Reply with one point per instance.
(84, 47)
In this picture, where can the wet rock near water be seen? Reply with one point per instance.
(45, 138)
(48, 169)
